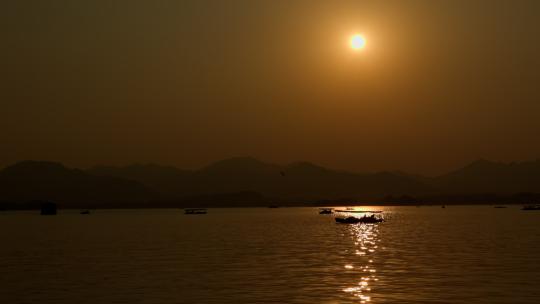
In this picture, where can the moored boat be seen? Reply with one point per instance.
(48, 208)
(531, 207)
(372, 219)
(195, 211)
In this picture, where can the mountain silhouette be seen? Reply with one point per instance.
(483, 176)
(38, 180)
(246, 181)
(295, 182)
(164, 179)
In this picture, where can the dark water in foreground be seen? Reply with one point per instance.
(466, 254)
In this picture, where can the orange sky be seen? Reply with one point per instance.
(189, 82)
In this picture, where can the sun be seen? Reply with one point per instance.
(358, 42)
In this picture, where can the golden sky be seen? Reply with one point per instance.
(439, 83)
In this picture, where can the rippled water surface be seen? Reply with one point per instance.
(465, 254)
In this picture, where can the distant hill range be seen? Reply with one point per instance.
(250, 182)
(25, 182)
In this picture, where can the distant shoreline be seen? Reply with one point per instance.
(112, 207)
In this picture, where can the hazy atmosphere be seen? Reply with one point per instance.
(186, 83)
(269, 151)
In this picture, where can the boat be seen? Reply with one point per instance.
(273, 206)
(371, 219)
(85, 212)
(499, 207)
(531, 207)
(48, 208)
(326, 210)
(195, 211)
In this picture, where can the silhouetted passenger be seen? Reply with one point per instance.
(48, 208)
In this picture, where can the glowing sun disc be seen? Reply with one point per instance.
(358, 42)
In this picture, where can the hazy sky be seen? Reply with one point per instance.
(184, 83)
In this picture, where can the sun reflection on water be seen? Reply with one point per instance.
(365, 241)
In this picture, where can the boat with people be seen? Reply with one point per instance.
(195, 211)
(368, 216)
(326, 210)
(366, 219)
(531, 207)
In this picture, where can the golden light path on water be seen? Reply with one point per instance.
(365, 238)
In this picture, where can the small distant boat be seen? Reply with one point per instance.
(273, 206)
(85, 212)
(531, 207)
(48, 208)
(195, 211)
(372, 219)
(499, 207)
(443, 206)
(326, 210)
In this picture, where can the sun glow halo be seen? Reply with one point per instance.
(358, 42)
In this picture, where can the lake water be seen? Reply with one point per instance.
(461, 254)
